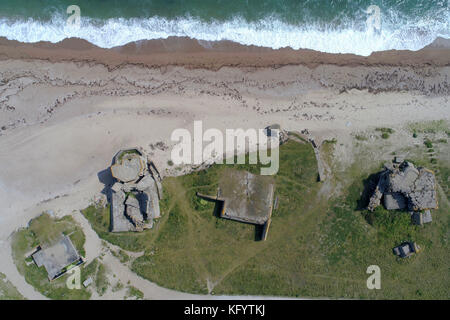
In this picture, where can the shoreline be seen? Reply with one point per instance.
(214, 55)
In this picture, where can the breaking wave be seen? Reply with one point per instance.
(270, 32)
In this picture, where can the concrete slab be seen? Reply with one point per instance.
(248, 198)
(56, 257)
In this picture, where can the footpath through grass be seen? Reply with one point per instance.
(190, 249)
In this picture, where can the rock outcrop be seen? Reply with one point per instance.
(403, 186)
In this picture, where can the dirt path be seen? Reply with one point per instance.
(94, 248)
(12, 274)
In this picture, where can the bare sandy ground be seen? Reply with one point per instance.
(61, 123)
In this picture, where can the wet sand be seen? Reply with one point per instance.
(213, 55)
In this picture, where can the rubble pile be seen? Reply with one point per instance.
(402, 186)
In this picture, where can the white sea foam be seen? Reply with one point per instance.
(268, 33)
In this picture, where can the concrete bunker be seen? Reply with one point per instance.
(57, 258)
(136, 192)
(245, 197)
(402, 186)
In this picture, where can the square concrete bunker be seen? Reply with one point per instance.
(245, 197)
(57, 258)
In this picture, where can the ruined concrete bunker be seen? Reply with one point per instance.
(402, 186)
(136, 192)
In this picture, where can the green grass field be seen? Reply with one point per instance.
(316, 247)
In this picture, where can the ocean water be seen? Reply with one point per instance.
(335, 26)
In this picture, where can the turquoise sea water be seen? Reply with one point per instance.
(330, 26)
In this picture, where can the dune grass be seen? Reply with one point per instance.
(7, 290)
(134, 293)
(434, 126)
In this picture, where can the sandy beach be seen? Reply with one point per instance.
(66, 108)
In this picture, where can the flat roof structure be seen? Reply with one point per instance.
(57, 258)
(248, 197)
(119, 223)
(245, 197)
